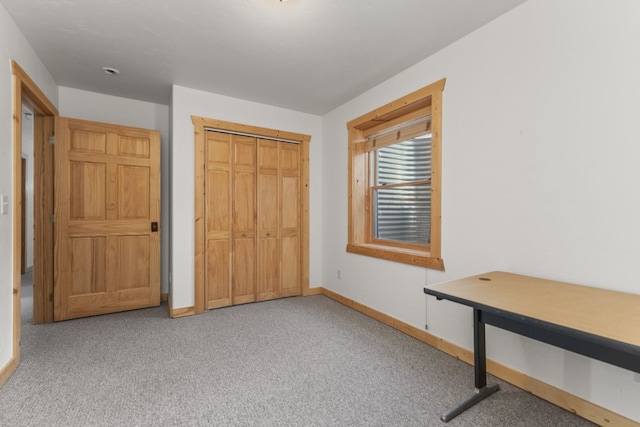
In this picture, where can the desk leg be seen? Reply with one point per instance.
(480, 371)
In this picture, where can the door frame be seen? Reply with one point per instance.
(25, 91)
(200, 125)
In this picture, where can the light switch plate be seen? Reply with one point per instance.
(4, 204)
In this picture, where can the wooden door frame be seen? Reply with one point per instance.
(26, 91)
(200, 125)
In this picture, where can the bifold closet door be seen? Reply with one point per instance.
(268, 213)
(218, 214)
(290, 230)
(252, 211)
(244, 220)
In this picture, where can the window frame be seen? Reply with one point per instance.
(422, 102)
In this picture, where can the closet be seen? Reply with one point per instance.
(252, 219)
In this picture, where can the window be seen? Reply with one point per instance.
(394, 180)
(399, 189)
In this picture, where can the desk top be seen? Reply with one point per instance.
(606, 313)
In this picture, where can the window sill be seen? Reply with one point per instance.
(406, 256)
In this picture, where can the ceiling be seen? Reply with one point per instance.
(304, 55)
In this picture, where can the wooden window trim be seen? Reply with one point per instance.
(422, 101)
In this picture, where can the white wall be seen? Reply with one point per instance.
(84, 105)
(12, 46)
(540, 177)
(187, 102)
(540, 174)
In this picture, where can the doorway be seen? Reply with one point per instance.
(27, 94)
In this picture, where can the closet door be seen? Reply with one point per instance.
(290, 230)
(244, 219)
(252, 220)
(268, 229)
(218, 197)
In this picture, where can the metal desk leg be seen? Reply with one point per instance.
(480, 370)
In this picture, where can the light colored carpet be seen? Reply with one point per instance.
(292, 362)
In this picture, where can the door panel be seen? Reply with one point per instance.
(268, 205)
(244, 219)
(133, 192)
(290, 202)
(133, 267)
(268, 243)
(88, 184)
(219, 204)
(290, 253)
(252, 219)
(244, 262)
(88, 265)
(268, 269)
(218, 273)
(218, 213)
(107, 181)
(244, 211)
(290, 280)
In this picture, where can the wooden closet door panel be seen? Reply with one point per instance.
(268, 156)
(290, 230)
(244, 153)
(268, 282)
(244, 219)
(218, 214)
(268, 206)
(218, 273)
(268, 197)
(290, 194)
(218, 150)
(244, 186)
(218, 205)
(244, 204)
(268, 269)
(290, 159)
(244, 271)
(290, 255)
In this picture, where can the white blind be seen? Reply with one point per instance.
(403, 212)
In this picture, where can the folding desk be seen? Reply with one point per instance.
(597, 323)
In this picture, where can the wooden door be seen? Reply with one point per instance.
(43, 228)
(268, 229)
(107, 219)
(244, 220)
(218, 214)
(290, 230)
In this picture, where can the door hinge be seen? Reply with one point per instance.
(52, 219)
(52, 139)
(50, 297)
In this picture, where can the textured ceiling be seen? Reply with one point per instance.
(305, 55)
